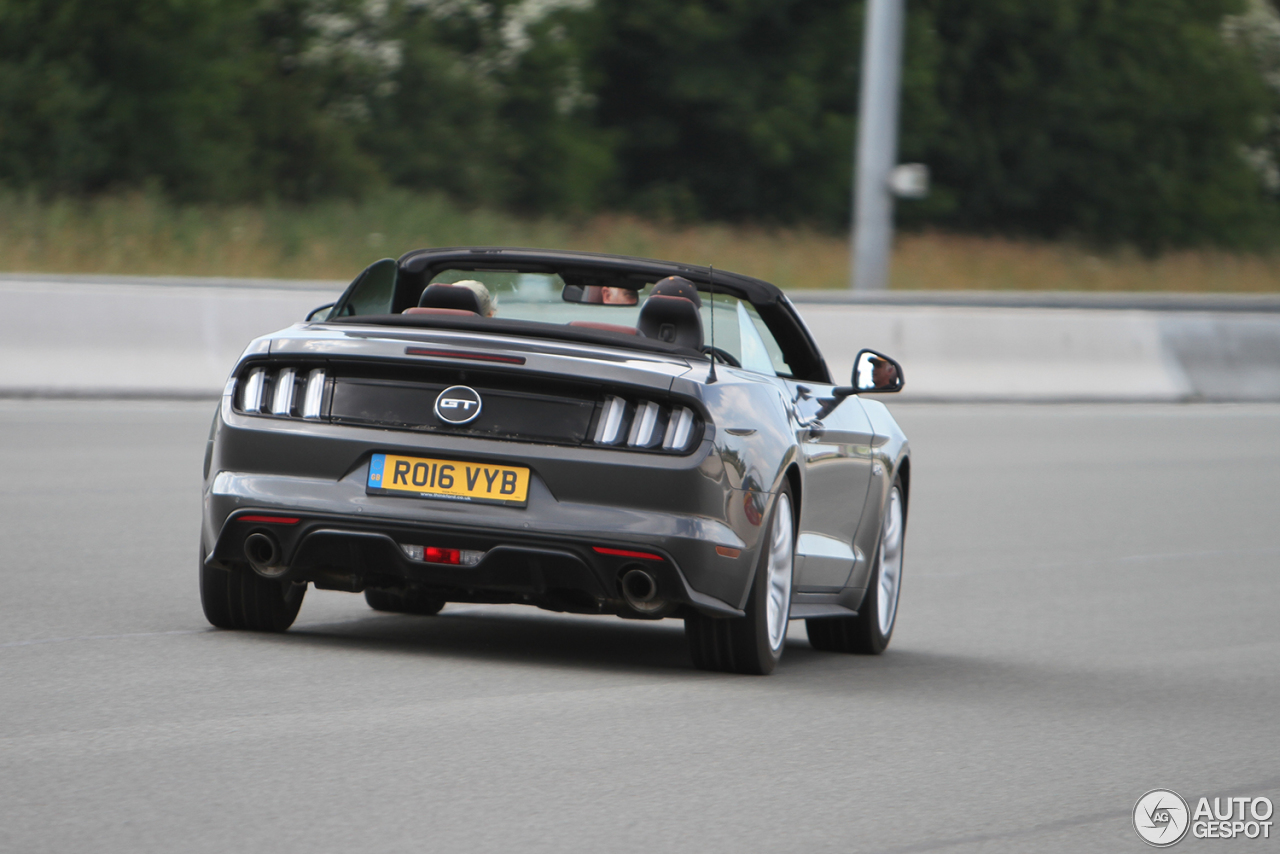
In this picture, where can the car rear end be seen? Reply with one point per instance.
(350, 457)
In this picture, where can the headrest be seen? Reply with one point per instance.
(672, 319)
(448, 296)
(678, 286)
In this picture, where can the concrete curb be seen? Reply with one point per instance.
(116, 336)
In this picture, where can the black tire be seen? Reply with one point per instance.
(241, 599)
(741, 644)
(408, 602)
(862, 635)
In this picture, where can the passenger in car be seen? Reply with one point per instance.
(488, 306)
(465, 297)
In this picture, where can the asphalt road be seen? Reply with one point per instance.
(1089, 612)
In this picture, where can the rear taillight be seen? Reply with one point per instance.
(251, 390)
(645, 425)
(679, 429)
(285, 388)
(288, 392)
(314, 395)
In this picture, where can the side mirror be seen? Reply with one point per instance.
(322, 310)
(876, 372)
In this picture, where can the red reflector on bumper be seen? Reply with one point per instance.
(431, 554)
(625, 553)
(271, 520)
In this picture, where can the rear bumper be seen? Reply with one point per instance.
(345, 539)
(679, 507)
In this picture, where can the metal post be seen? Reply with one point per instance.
(877, 144)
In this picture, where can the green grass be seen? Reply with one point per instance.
(144, 235)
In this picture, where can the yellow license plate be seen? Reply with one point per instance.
(448, 479)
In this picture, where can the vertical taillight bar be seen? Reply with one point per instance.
(642, 426)
(251, 394)
(282, 400)
(610, 420)
(313, 398)
(678, 430)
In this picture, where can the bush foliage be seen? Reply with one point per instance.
(1150, 122)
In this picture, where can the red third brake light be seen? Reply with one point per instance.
(431, 554)
(625, 553)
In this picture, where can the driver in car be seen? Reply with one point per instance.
(883, 373)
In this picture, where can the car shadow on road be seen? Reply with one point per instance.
(517, 635)
(514, 636)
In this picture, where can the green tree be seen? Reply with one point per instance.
(189, 95)
(1109, 120)
(737, 108)
(491, 103)
(1102, 119)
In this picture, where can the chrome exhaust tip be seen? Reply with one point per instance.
(263, 553)
(640, 590)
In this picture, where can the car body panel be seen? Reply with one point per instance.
(835, 440)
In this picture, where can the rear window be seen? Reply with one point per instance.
(541, 297)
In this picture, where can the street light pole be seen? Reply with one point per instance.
(877, 144)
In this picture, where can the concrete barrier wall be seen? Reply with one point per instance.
(162, 338)
(179, 337)
(971, 353)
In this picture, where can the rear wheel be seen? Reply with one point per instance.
(240, 599)
(406, 602)
(870, 631)
(753, 644)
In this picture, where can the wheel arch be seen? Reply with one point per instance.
(792, 477)
(904, 475)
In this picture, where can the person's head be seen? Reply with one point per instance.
(883, 373)
(608, 295)
(487, 306)
(619, 296)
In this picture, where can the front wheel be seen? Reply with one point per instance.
(870, 631)
(753, 644)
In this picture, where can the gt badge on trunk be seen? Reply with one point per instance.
(458, 405)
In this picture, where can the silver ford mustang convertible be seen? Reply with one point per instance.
(583, 433)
